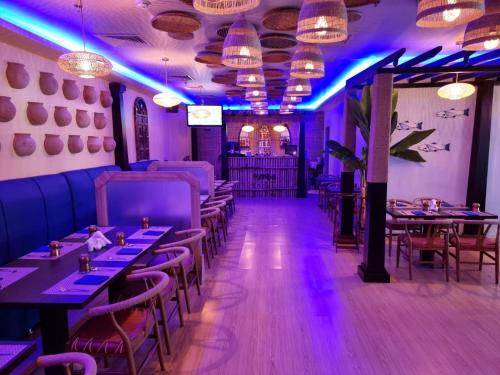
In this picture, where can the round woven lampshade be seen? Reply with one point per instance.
(322, 21)
(292, 99)
(288, 107)
(255, 94)
(176, 22)
(242, 46)
(224, 7)
(484, 33)
(298, 87)
(260, 112)
(446, 13)
(258, 105)
(251, 77)
(85, 64)
(307, 62)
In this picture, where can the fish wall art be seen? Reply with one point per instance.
(453, 113)
(435, 147)
(407, 125)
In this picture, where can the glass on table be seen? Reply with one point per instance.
(84, 263)
(55, 248)
(120, 239)
(92, 230)
(476, 207)
(145, 222)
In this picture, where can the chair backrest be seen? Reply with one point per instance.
(434, 228)
(174, 255)
(483, 229)
(420, 200)
(87, 362)
(400, 202)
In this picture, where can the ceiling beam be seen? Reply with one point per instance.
(444, 77)
(441, 69)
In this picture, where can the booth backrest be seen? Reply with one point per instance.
(140, 165)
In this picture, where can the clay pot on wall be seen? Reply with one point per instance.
(23, 144)
(70, 89)
(62, 116)
(37, 114)
(48, 84)
(7, 109)
(82, 118)
(106, 99)
(109, 144)
(93, 144)
(53, 144)
(75, 144)
(17, 76)
(100, 121)
(89, 94)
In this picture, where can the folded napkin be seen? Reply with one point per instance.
(91, 280)
(44, 249)
(418, 212)
(129, 251)
(97, 241)
(153, 233)
(472, 213)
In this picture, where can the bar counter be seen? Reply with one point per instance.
(264, 176)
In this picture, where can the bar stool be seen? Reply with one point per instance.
(68, 360)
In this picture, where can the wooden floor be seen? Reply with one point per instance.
(279, 300)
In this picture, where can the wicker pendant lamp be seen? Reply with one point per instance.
(258, 105)
(242, 46)
(307, 62)
(292, 99)
(484, 33)
(298, 87)
(447, 13)
(255, 94)
(251, 77)
(261, 112)
(84, 64)
(224, 7)
(166, 98)
(322, 21)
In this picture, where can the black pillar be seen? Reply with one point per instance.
(194, 144)
(223, 155)
(301, 171)
(119, 126)
(347, 174)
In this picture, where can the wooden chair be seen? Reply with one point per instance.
(68, 360)
(191, 266)
(229, 199)
(434, 239)
(221, 205)
(392, 226)
(120, 329)
(210, 222)
(480, 242)
(339, 199)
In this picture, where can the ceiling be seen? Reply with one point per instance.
(381, 29)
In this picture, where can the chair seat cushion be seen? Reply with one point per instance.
(470, 242)
(421, 241)
(98, 335)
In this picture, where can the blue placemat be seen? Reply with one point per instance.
(153, 233)
(472, 213)
(44, 249)
(84, 230)
(129, 251)
(398, 204)
(91, 280)
(140, 240)
(418, 212)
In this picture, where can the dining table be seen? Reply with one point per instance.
(54, 285)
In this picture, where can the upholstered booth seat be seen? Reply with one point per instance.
(99, 336)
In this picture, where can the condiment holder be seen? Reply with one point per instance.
(392, 203)
(145, 222)
(425, 205)
(439, 203)
(55, 248)
(476, 207)
(92, 230)
(120, 239)
(84, 263)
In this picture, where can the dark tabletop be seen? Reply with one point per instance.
(451, 213)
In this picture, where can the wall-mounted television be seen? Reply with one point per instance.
(204, 115)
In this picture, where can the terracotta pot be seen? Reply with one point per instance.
(7, 109)
(109, 144)
(106, 99)
(53, 144)
(89, 94)
(48, 84)
(93, 144)
(70, 89)
(37, 114)
(82, 118)
(100, 121)
(17, 76)
(75, 144)
(62, 116)
(23, 144)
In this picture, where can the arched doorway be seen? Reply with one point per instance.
(141, 129)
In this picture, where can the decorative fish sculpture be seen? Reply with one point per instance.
(407, 125)
(435, 147)
(453, 113)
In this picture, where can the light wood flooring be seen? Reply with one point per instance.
(279, 300)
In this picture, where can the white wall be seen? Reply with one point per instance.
(493, 187)
(334, 119)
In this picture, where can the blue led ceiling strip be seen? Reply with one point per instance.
(72, 42)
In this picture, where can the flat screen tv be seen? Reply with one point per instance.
(204, 115)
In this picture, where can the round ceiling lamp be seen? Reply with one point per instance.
(298, 87)
(322, 21)
(258, 105)
(280, 128)
(242, 46)
(484, 33)
(166, 98)
(292, 99)
(247, 128)
(84, 64)
(224, 7)
(255, 94)
(307, 62)
(447, 13)
(456, 90)
(261, 112)
(251, 77)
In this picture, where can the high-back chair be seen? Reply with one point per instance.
(434, 238)
(121, 328)
(191, 266)
(484, 241)
(229, 199)
(221, 205)
(86, 362)
(210, 222)
(392, 225)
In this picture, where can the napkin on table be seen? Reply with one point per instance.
(97, 241)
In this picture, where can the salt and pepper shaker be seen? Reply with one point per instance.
(55, 248)
(392, 203)
(145, 222)
(439, 202)
(476, 207)
(425, 205)
(84, 261)
(92, 230)
(120, 239)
